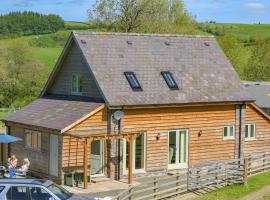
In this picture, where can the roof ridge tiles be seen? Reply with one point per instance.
(141, 34)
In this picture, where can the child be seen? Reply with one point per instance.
(12, 162)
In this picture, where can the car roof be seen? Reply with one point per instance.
(26, 181)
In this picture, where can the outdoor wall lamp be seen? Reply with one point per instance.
(158, 136)
(200, 133)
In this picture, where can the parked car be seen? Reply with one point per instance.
(34, 189)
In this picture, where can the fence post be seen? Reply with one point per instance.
(245, 171)
(226, 174)
(197, 178)
(264, 156)
(155, 187)
(177, 183)
(130, 191)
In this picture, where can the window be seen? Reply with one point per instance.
(133, 81)
(228, 132)
(169, 80)
(33, 139)
(37, 193)
(250, 131)
(17, 193)
(76, 84)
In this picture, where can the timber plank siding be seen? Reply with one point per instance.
(261, 143)
(74, 64)
(39, 159)
(209, 146)
(73, 150)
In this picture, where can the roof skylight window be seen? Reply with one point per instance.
(133, 81)
(169, 80)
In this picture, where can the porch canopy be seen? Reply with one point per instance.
(87, 136)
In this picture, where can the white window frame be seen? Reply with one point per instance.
(135, 171)
(249, 128)
(77, 90)
(229, 128)
(29, 133)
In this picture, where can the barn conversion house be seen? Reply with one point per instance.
(124, 105)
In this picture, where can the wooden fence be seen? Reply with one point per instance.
(216, 174)
(156, 188)
(201, 176)
(258, 164)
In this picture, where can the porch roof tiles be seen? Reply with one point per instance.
(55, 114)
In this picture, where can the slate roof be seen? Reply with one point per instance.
(55, 114)
(197, 63)
(261, 93)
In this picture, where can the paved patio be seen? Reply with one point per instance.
(101, 189)
(109, 188)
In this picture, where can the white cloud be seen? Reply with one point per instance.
(254, 6)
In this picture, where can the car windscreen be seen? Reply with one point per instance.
(2, 188)
(60, 192)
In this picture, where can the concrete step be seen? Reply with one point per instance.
(99, 179)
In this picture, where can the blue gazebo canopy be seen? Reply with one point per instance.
(4, 138)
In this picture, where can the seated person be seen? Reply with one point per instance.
(24, 168)
(6, 174)
(12, 162)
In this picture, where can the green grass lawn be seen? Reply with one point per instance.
(236, 191)
(48, 56)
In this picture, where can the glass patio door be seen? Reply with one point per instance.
(177, 149)
(139, 154)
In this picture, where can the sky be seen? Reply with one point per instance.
(226, 11)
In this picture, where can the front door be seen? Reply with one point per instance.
(177, 149)
(97, 158)
(54, 155)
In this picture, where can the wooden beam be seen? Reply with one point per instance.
(86, 161)
(130, 152)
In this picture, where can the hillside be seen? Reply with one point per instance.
(239, 42)
(48, 54)
(240, 31)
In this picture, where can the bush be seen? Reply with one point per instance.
(52, 40)
(77, 26)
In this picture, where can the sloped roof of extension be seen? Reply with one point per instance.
(197, 63)
(260, 92)
(55, 114)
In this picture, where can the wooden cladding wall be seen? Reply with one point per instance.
(74, 64)
(261, 143)
(73, 149)
(209, 119)
(39, 159)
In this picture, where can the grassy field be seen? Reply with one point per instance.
(245, 30)
(241, 31)
(48, 56)
(255, 183)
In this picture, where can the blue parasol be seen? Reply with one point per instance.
(4, 138)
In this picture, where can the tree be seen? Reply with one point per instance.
(56, 22)
(21, 76)
(29, 23)
(157, 16)
(235, 51)
(258, 68)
